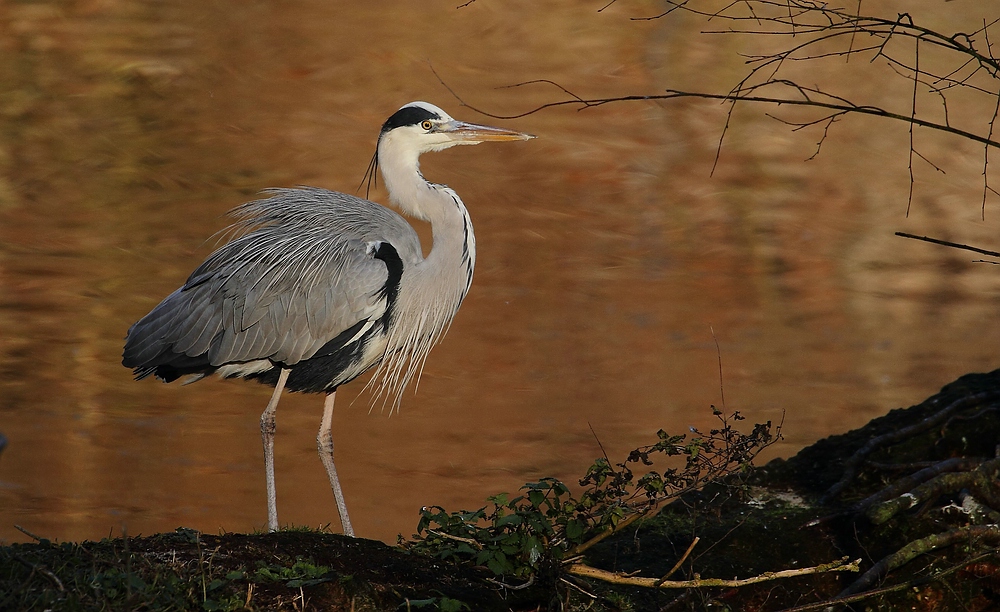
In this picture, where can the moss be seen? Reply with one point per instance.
(187, 570)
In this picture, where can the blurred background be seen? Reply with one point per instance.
(608, 251)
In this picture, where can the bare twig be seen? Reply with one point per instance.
(28, 533)
(743, 97)
(513, 587)
(586, 571)
(986, 158)
(680, 561)
(622, 524)
(955, 245)
(578, 588)
(35, 567)
(913, 114)
(468, 541)
(601, 446)
(943, 63)
(718, 353)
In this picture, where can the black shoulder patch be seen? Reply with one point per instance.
(394, 266)
(313, 375)
(408, 115)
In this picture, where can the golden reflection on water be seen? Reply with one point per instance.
(607, 254)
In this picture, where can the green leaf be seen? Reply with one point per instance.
(495, 566)
(448, 604)
(574, 529)
(499, 499)
(510, 519)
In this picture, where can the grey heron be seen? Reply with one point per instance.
(317, 287)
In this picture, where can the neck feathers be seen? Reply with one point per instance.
(431, 290)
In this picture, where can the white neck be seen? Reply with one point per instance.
(431, 290)
(454, 240)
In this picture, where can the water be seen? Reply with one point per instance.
(611, 264)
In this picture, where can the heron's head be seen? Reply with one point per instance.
(419, 127)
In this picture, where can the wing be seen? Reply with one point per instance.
(303, 269)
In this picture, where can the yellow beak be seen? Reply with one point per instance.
(471, 133)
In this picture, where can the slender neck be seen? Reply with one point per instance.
(454, 248)
(431, 290)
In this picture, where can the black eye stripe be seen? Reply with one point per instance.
(408, 115)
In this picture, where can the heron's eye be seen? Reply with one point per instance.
(426, 124)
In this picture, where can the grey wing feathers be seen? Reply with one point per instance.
(299, 272)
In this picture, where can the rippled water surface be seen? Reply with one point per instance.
(607, 252)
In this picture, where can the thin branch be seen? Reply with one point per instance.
(587, 571)
(913, 114)
(829, 603)
(979, 481)
(907, 553)
(622, 524)
(854, 33)
(955, 464)
(826, 132)
(929, 162)
(986, 156)
(680, 562)
(722, 136)
(950, 244)
(28, 533)
(510, 587)
(44, 571)
(549, 82)
(739, 97)
(718, 353)
(468, 541)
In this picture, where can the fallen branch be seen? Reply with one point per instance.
(853, 464)
(918, 547)
(510, 587)
(586, 571)
(903, 485)
(468, 541)
(41, 569)
(839, 600)
(980, 481)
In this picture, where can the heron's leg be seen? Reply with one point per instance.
(324, 442)
(267, 428)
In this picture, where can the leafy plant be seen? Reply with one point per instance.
(302, 573)
(547, 525)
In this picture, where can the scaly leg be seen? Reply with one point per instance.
(324, 442)
(267, 428)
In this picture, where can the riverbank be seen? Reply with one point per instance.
(913, 496)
